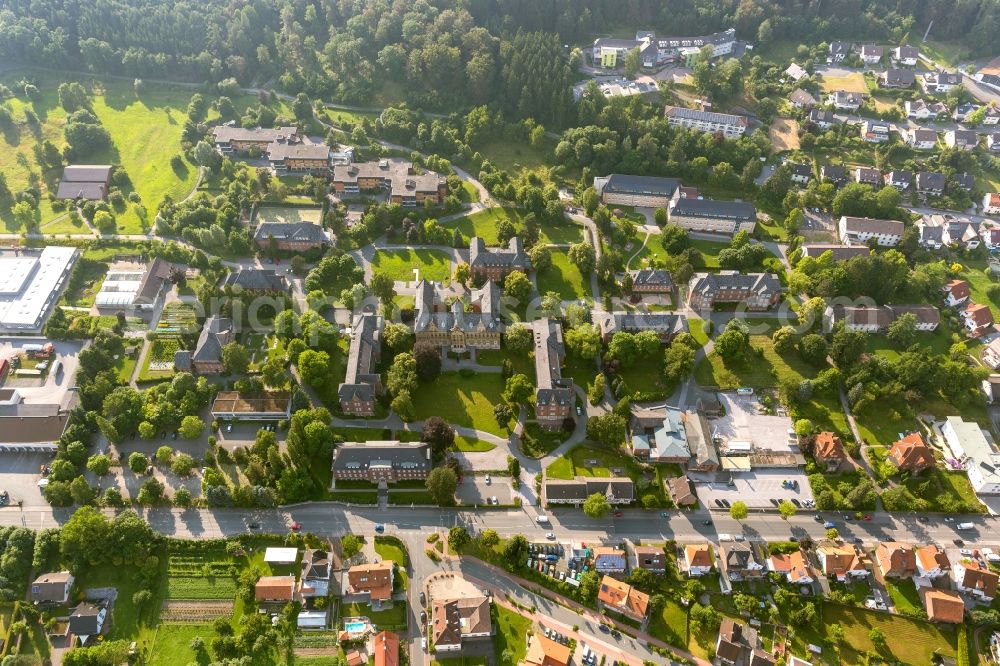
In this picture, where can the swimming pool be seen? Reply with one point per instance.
(355, 627)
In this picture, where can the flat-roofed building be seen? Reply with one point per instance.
(721, 217)
(131, 287)
(265, 406)
(627, 190)
(31, 282)
(382, 462)
(982, 461)
(730, 125)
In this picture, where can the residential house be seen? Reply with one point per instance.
(554, 396)
(455, 622)
(743, 560)
(801, 173)
(992, 115)
(622, 598)
(275, 588)
(834, 173)
(859, 230)
(991, 237)
(897, 78)
(920, 109)
(939, 83)
(829, 451)
(932, 562)
(956, 292)
(707, 215)
(875, 131)
(901, 180)
(963, 111)
(290, 236)
(841, 561)
(905, 55)
(867, 176)
(991, 204)
(921, 139)
(930, 183)
(374, 580)
(544, 651)
(896, 560)
(663, 436)
(382, 463)
(945, 606)
(739, 645)
(52, 588)
(800, 99)
(930, 236)
(627, 190)
(608, 560)
(962, 139)
(729, 125)
(795, 72)
(878, 319)
(991, 389)
(680, 491)
(911, 454)
(697, 559)
(822, 118)
(215, 334)
(838, 251)
(966, 441)
(87, 620)
(871, 54)
(977, 319)
(88, 182)
(757, 291)
(497, 263)
(362, 382)
(456, 329)
(838, 51)
(649, 558)
(958, 230)
(792, 566)
(974, 578)
(845, 101)
(315, 574)
(617, 490)
(652, 281)
(385, 645)
(666, 325)
(398, 178)
(993, 142)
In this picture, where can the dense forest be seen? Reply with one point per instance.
(437, 54)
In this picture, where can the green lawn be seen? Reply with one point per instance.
(597, 462)
(389, 549)
(469, 192)
(671, 624)
(976, 272)
(483, 223)
(511, 633)
(171, 644)
(709, 253)
(564, 278)
(909, 641)
(767, 370)
(512, 155)
(904, 597)
(469, 444)
(461, 401)
(399, 264)
(645, 377)
(126, 620)
(389, 619)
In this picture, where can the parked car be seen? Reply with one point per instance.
(550, 536)
(604, 628)
(295, 526)
(488, 480)
(253, 525)
(423, 599)
(618, 513)
(423, 617)
(380, 528)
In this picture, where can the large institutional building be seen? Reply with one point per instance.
(31, 282)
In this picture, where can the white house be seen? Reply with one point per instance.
(697, 559)
(966, 441)
(921, 139)
(886, 233)
(940, 82)
(848, 101)
(875, 131)
(922, 110)
(932, 562)
(956, 292)
(975, 579)
(991, 204)
(906, 55)
(871, 54)
(963, 139)
(795, 72)
(991, 355)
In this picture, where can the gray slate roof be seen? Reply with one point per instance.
(580, 488)
(652, 277)
(619, 183)
(255, 279)
(398, 455)
(216, 333)
(291, 231)
(722, 210)
(365, 349)
(513, 256)
(455, 317)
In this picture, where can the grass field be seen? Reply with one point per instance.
(670, 624)
(511, 633)
(483, 223)
(145, 132)
(399, 264)
(853, 82)
(563, 278)
(578, 462)
(472, 445)
(461, 401)
(709, 253)
(288, 214)
(904, 596)
(909, 641)
(784, 133)
(171, 644)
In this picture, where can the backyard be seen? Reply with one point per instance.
(400, 264)
(851, 82)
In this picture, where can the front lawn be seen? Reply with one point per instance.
(462, 401)
(671, 624)
(564, 278)
(400, 264)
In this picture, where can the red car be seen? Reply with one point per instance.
(296, 526)
(867, 517)
(618, 513)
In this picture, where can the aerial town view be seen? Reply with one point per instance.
(499, 333)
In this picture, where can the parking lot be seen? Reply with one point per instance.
(54, 388)
(474, 490)
(757, 488)
(20, 477)
(744, 422)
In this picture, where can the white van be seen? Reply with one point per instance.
(965, 526)
(542, 520)
(725, 537)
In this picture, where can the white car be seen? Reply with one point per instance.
(966, 552)
(488, 480)
(550, 536)
(423, 644)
